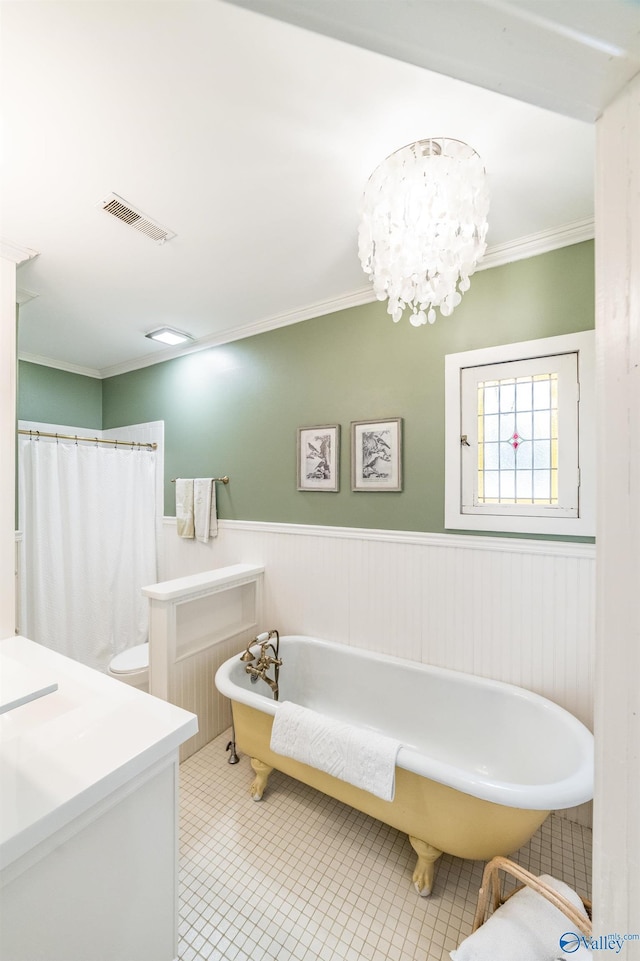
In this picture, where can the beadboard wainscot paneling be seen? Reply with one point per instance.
(193, 688)
(195, 624)
(513, 609)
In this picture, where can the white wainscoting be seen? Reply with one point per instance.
(195, 624)
(516, 610)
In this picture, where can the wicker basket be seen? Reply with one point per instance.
(490, 895)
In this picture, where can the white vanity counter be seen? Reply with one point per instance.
(89, 796)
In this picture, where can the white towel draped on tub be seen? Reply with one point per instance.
(184, 507)
(363, 758)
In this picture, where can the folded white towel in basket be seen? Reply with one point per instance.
(361, 757)
(527, 927)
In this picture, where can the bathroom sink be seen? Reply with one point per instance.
(89, 778)
(63, 753)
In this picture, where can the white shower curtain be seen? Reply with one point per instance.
(87, 514)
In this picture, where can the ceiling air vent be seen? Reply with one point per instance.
(124, 211)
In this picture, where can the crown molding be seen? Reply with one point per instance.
(529, 246)
(16, 252)
(355, 299)
(23, 296)
(59, 365)
(540, 243)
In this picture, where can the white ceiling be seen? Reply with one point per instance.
(570, 56)
(252, 139)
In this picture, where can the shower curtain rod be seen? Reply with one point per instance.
(93, 440)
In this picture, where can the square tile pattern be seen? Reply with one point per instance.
(303, 877)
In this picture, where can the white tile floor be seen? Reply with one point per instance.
(300, 876)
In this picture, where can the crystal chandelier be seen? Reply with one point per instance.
(423, 227)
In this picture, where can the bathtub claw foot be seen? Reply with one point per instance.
(425, 866)
(259, 783)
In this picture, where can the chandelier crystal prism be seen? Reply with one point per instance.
(424, 227)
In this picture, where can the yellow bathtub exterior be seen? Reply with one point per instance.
(437, 818)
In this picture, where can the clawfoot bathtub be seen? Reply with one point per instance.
(481, 765)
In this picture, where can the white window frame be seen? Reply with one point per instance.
(514, 518)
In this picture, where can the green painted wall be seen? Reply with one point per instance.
(54, 396)
(235, 409)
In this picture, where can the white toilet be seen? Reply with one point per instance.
(132, 666)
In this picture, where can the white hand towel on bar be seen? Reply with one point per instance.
(363, 758)
(184, 507)
(204, 508)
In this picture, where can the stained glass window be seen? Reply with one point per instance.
(517, 440)
(519, 444)
(521, 422)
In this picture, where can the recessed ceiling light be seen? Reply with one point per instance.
(169, 335)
